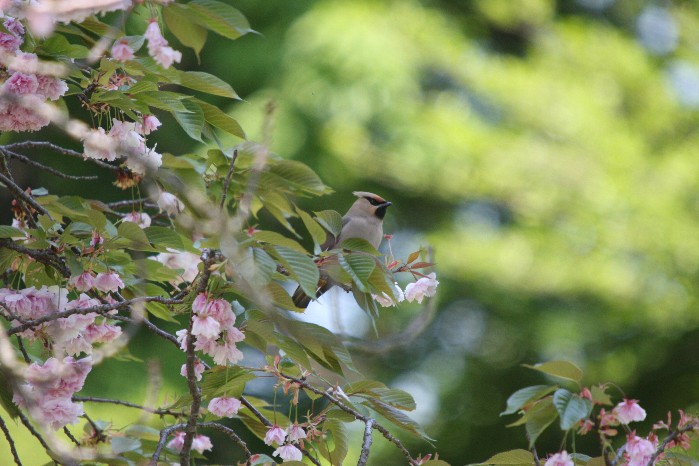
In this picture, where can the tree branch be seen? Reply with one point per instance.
(228, 180)
(49, 146)
(366, 444)
(45, 256)
(164, 434)
(159, 412)
(232, 435)
(10, 441)
(41, 166)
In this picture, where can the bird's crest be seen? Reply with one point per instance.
(369, 195)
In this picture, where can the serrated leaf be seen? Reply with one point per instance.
(161, 311)
(301, 267)
(208, 83)
(134, 236)
(512, 457)
(191, 121)
(539, 418)
(562, 369)
(7, 231)
(359, 244)
(162, 237)
(124, 444)
(322, 345)
(221, 120)
(219, 17)
(293, 350)
(330, 220)
(184, 29)
(360, 267)
(524, 396)
(276, 239)
(281, 298)
(571, 408)
(164, 100)
(398, 418)
(338, 432)
(300, 176)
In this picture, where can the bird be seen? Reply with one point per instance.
(363, 220)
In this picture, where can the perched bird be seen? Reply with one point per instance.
(363, 220)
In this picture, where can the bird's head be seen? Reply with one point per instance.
(371, 204)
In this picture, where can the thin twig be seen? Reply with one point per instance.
(228, 180)
(10, 441)
(70, 436)
(232, 435)
(366, 444)
(34, 432)
(357, 415)
(45, 256)
(19, 193)
(41, 166)
(537, 462)
(60, 150)
(151, 327)
(672, 436)
(164, 434)
(159, 412)
(99, 309)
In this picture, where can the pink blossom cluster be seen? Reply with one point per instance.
(224, 406)
(49, 388)
(213, 326)
(124, 140)
(561, 458)
(24, 91)
(158, 47)
(141, 219)
(638, 451)
(200, 443)
(286, 451)
(426, 286)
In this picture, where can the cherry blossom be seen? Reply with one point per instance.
(141, 219)
(224, 406)
(122, 51)
(560, 459)
(83, 282)
(150, 124)
(424, 287)
(169, 203)
(638, 450)
(387, 301)
(199, 369)
(288, 453)
(185, 261)
(158, 47)
(109, 281)
(275, 434)
(296, 433)
(629, 411)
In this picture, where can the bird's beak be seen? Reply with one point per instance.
(381, 209)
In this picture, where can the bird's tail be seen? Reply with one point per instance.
(302, 300)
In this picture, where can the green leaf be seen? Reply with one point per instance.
(318, 234)
(208, 83)
(218, 17)
(225, 380)
(276, 239)
(281, 298)
(571, 408)
(221, 120)
(184, 29)
(162, 237)
(512, 457)
(600, 396)
(300, 176)
(338, 433)
(7, 231)
(293, 350)
(359, 244)
(330, 220)
(191, 121)
(134, 237)
(360, 267)
(124, 444)
(161, 311)
(562, 369)
(301, 267)
(539, 418)
(164, 100)
(322, 345)
(524, 396)
(6, 394)
(398, 418)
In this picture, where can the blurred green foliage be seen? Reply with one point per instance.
(546, 152)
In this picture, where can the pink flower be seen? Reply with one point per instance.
(387, 301)
(200, 304)
(186, 261)
(169, 203)
(141, 219)
(10, 42)
(14, 27)
(206, 326)
(20, 83)
(154, 36)
(425, 286)
(629, 411)
(226, 352)
(99, 145)
(275, 434)
(177, 441)
(150, 124)
(296, 433)
(224, 406)
(83, 282)
(560, 459)
(83, 301)
(109, 281)
(639, 450)
(122, 51)
(166, 56)
(201, 443)
(51, 88)
(288, 453)
(199, 369)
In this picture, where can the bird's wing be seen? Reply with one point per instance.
(331, 240)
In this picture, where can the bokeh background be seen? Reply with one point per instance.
(546, 150)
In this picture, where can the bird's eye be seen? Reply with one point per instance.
(372, 201)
